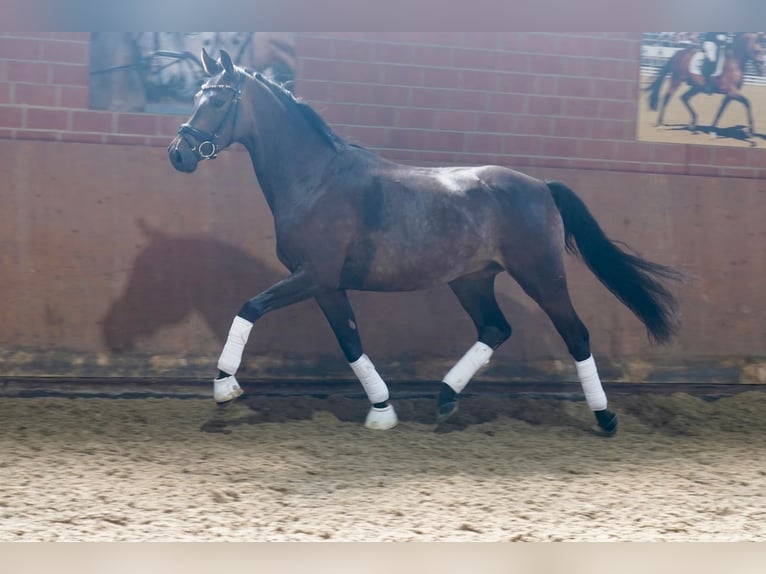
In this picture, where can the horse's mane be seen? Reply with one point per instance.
(308, 113)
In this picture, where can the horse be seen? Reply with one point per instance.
(744, 47)
(347, 219)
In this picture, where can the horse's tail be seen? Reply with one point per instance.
(634, 281)
(654, 87)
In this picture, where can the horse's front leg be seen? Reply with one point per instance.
(337, 308)
(718, 115)
(297, 287)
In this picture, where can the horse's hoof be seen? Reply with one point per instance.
(226, 390)
(607, 421)
(445, 411)
(383, 418)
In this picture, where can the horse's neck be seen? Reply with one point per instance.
(286, 155)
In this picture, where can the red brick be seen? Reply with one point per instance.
(361, 72)
(436, 158)
(510, 61)
(636, 151)
(69, 52)
(72, 97)
(485, 143)
(401, 75)
(547, 85)
(312, 47)
(72, 36)
(446, 141)
(575, 87)
(431, 98)
(534, 125)
(480, 80)
(730, 156)
(441, 78)
(545, 105)
(616, 48)
(617, 110)
(34, 95)
(577, 107)
(20, 48)
(481, 40)
(391, 95)
(598, 149)
(335, 114)
(376, 115)
(86, 138)
(698, 154)
(488, 122)
(472, 59)
(669, 153)
(572, 127)
(560, 147)
(516, 83)
(92, 121)
(45, 119)
(38, 135)
(408, 139)
(539, 43)
(10, 117)
(5, 93)
(352, 93)
(614, 130)
(576, 45)
(456, 120)
(468, 100)
(354, 50)
(575, 66)
(439, 56)
(416, 118)
(168, 125)
(7, 134)
(393, 53)
(312, 90)
(524, 145)
(70, 74)
(546, 64)
(327, 70)
(119, 139)
(514, 103)
(28, 72)
(144, 124)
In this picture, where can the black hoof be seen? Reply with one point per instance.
(607, 421)
(447, 403)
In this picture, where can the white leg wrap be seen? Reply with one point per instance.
(591, 384)
(474, 359)
(231, 356)
(373, 384)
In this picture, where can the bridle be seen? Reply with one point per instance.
(208, 147)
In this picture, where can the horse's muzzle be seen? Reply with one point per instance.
(182, 157)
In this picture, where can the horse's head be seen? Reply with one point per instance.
(212, 125)
(750, 46)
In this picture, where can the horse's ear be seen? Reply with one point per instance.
(209, 64)
(226, 62)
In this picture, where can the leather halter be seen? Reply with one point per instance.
(208, 147)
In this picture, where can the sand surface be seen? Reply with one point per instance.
(305, 469)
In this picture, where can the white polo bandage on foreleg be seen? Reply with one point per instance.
(474, 359)
(591, 384)
(373, 383)
(231, 356)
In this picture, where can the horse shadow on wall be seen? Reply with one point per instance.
(175, 276)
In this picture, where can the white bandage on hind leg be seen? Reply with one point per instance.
(474, 359)
(591, 384)
(373, 383)
(231, 356)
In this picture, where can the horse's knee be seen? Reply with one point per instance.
(251, 311)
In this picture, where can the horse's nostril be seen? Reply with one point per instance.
(177, 157)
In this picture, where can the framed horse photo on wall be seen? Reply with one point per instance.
(703, 88)
(159, 72)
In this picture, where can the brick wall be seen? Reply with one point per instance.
(518, 99)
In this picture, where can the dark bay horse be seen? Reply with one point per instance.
(744, 47)
(347, 219)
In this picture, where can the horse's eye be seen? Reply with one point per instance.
(217, 102)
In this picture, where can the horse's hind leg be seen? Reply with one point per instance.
(547, 285)
(476, 293)
(337, 309)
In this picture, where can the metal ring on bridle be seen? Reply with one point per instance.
(207, 149)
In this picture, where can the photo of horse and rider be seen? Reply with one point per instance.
(159, 72)
(703, 88)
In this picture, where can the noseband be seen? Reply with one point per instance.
(208, 147)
